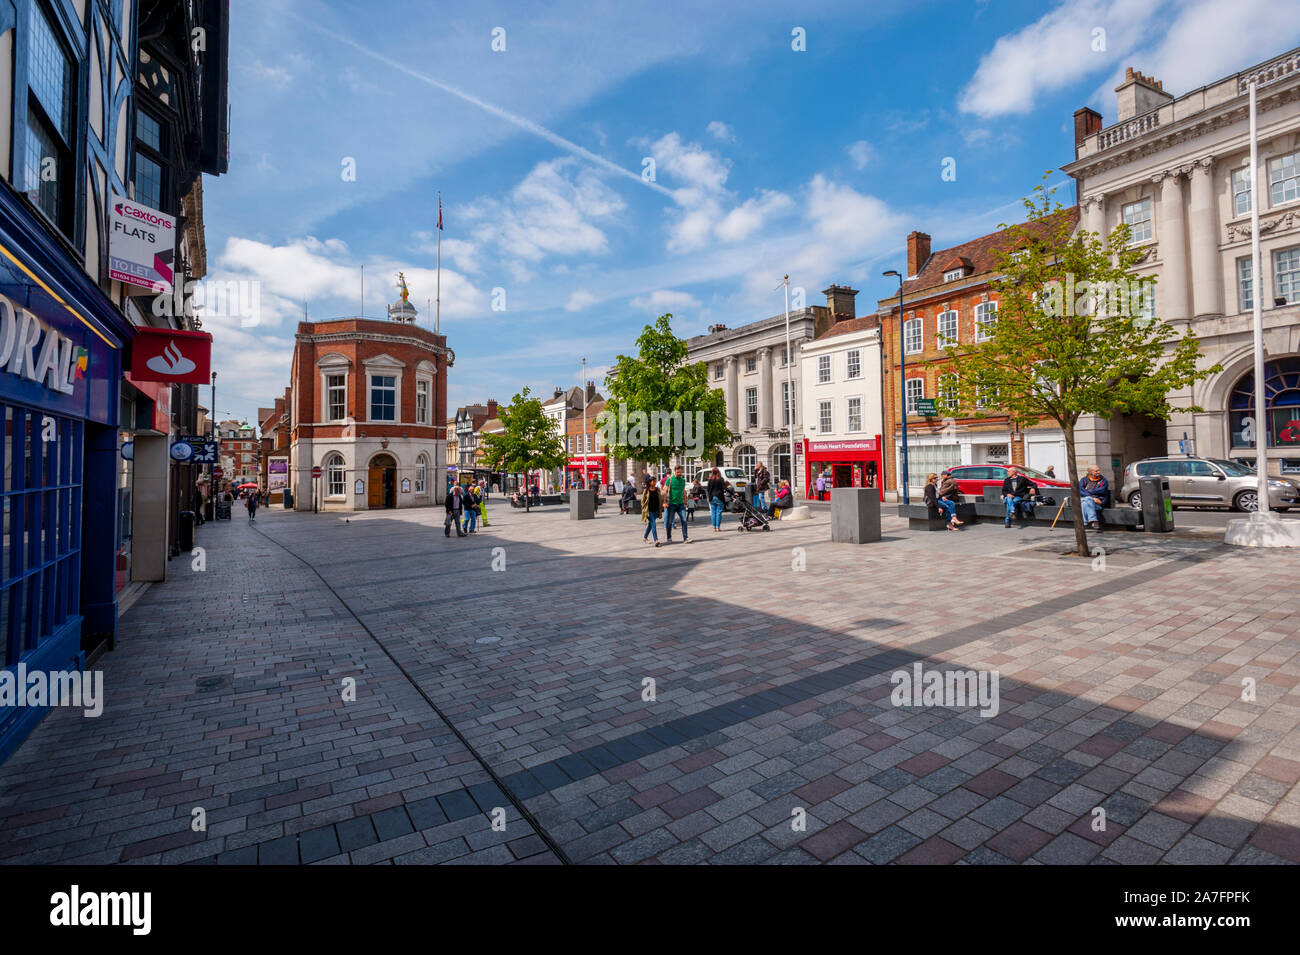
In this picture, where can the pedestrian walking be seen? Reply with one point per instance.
(628, 499)
(820, 486)
(472, 501)
(717, 494)
(651, 505)
(482, 505)
(251, 504)
(677, 503)
(455, 507)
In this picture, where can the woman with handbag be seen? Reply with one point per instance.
(651, 507)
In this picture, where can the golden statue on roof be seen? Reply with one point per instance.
(401, 284)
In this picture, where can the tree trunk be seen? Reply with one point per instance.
(1076, 499)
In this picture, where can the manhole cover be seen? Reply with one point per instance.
(487, 640)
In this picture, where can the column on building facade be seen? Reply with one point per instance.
(733, 393)
(1204, 237)
(1173, 246)
(1094, 215)
(765, 389)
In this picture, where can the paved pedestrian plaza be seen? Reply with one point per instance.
(365, 690)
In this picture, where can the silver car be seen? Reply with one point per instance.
(1208, 482)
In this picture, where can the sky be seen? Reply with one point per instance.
(601, 164)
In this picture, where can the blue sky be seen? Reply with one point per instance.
(767, 160)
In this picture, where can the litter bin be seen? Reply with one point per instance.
(1157, 505)
(288, 499)
(185, 532)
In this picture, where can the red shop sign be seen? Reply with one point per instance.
(167, 354)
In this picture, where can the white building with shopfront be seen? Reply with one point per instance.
(1175, 169)
(753, 369)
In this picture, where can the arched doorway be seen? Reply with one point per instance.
(382, 487)
(779, 464)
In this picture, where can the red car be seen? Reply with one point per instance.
(972, 478)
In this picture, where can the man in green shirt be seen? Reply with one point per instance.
(677, 502)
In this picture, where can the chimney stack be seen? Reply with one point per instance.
(1139, 94)
(840, 300)
(591, 392)
(918, 253)
(492, 407)
(558, 391)
(1086, 122)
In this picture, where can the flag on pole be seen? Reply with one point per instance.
(439, 212)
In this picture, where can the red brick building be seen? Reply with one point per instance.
(585, 447)
(948, 295)
(368, 405)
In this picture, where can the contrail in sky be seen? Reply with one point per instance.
(513, 118)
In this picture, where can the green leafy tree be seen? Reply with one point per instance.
(528, 443)
(1076, 333)
(662, 405)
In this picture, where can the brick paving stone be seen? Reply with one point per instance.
(788, 710)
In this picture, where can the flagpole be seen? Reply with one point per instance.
(437, 315)
(363, 291)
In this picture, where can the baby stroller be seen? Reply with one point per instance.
(753, 519)
(735, 502)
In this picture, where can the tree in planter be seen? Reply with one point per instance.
(528, 442)
(1076, 333)
(660, 404)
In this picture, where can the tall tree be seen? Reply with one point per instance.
(528, 443)
(1076, 333)
(662, 405)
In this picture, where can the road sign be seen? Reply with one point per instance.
(217, 472)
(925, 406)
(315, 472)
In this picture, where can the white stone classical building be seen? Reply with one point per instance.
(1174, 168)
(750, 366)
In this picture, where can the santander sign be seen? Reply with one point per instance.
(171, 355)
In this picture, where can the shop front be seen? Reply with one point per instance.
(848, 463)
(581, 472)
(61, 362)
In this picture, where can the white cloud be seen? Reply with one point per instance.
(553, 211)
(721, 131)
(276, 76)
(1057, 50)
(663, 300)
(705, 209)
(579, 300)
(862, 153)
(747, 218)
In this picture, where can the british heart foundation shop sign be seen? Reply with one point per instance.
(166, 354)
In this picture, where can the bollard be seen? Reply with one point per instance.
(855, 515)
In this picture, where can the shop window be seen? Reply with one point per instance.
(40, 568)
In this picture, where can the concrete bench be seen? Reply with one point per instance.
(920, 517)
(1110, 518)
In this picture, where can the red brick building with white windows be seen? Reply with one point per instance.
(948, 294)
(368, 406)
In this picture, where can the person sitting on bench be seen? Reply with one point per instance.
(939, 504)
(784, 498)
(1095, 491)
(1018, 493)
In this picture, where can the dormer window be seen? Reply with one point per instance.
(953, 275)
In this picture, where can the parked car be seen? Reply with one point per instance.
(972, 478)
(737, 477)
(1208, 482)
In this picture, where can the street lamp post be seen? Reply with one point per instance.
(586, 477)
(789, 392)
(902, 384)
